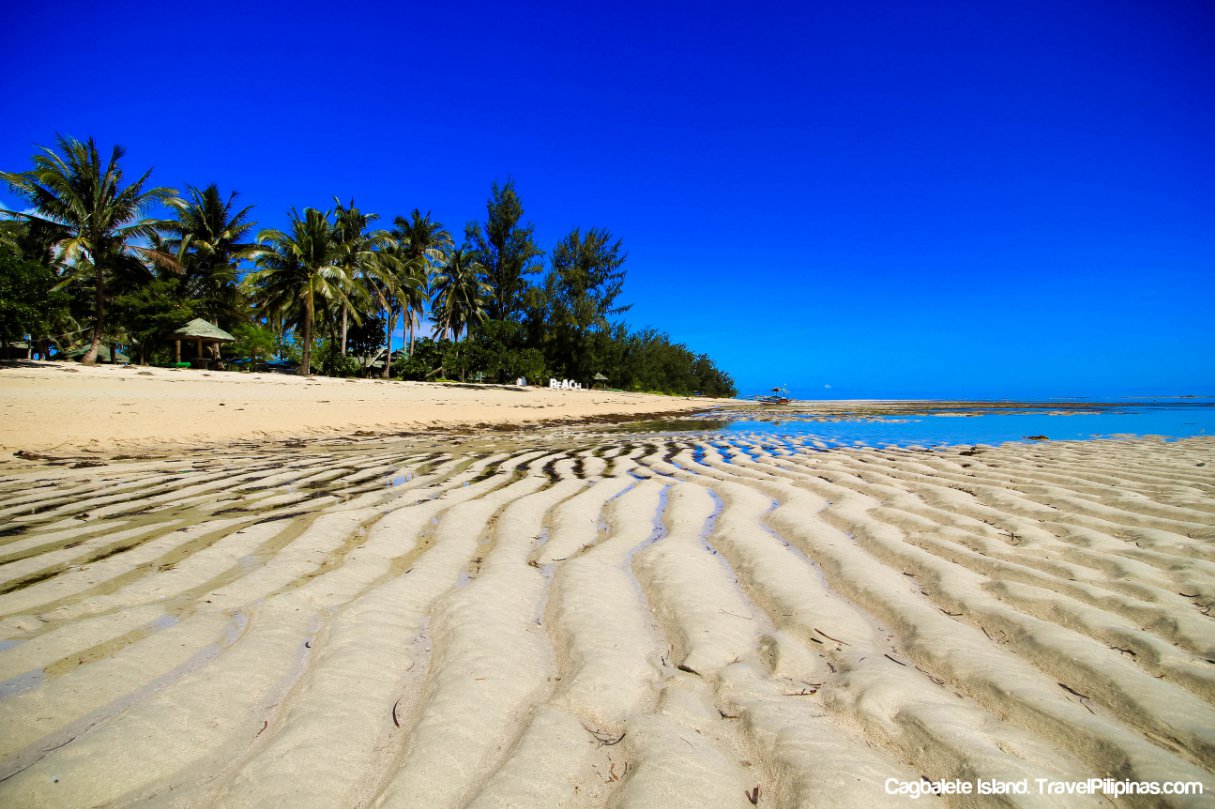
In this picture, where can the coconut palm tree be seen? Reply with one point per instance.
(297, 270)
(389, 281)
(459, 294)
(209, 238)
(94, 221)
(425, 242)
(355, 253)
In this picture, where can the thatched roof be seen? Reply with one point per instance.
(103, 353)
(600, 378)
(207, 331)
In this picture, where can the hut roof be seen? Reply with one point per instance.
(600, 378)
(207, 331)
(103, 354)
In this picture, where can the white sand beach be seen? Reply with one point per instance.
(117, 409)
(568, 618)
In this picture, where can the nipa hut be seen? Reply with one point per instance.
(103, 354)
(203, 334)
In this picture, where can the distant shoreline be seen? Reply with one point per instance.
(67, 410)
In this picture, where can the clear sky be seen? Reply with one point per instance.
(915, 198)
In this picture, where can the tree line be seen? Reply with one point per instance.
(87, 266)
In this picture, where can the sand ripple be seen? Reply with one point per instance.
(612, 622)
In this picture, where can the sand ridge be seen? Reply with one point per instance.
(598, 621)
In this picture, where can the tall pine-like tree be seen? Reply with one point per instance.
(506, 250)
(586, 278)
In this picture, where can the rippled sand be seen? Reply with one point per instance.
(591, 621)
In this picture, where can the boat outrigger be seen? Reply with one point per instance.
(778, 396)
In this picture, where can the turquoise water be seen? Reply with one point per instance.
(968, 426)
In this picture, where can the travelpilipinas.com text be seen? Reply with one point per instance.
(1040, 786)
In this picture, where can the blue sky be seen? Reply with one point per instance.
(917, 199)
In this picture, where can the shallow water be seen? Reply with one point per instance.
(962, 425)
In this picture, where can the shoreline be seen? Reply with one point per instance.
(106, 410)
(78, 412)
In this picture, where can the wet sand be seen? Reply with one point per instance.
(582, 620)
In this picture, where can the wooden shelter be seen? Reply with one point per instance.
(202, 333)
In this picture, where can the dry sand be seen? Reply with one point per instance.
(567, 619)
(108, 409)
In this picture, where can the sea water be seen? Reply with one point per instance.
(962, 425)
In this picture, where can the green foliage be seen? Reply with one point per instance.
(334, 363)
(498, 349)
(651, 362)
(430, 356)
(96, 222)
(150, 313)
(325, 286)
(459, 294)
(366, 338)
(32, 237)
(29, 302)
(587, 276)
(209, 239)
(424, 245)
(506, 252)
(586, 279)
(290, 348)
(253, 342)
(415, 249)
(495, 358)
(297, 269)
(355, 255)
(712, 381)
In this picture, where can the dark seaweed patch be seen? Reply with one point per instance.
(111, 552)
(21, 584)
(281, 517)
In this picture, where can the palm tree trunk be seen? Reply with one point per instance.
(305, 365)
(90, 356)
(343, 329)
(391, 324)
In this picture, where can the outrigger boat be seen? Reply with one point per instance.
(778, 396)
